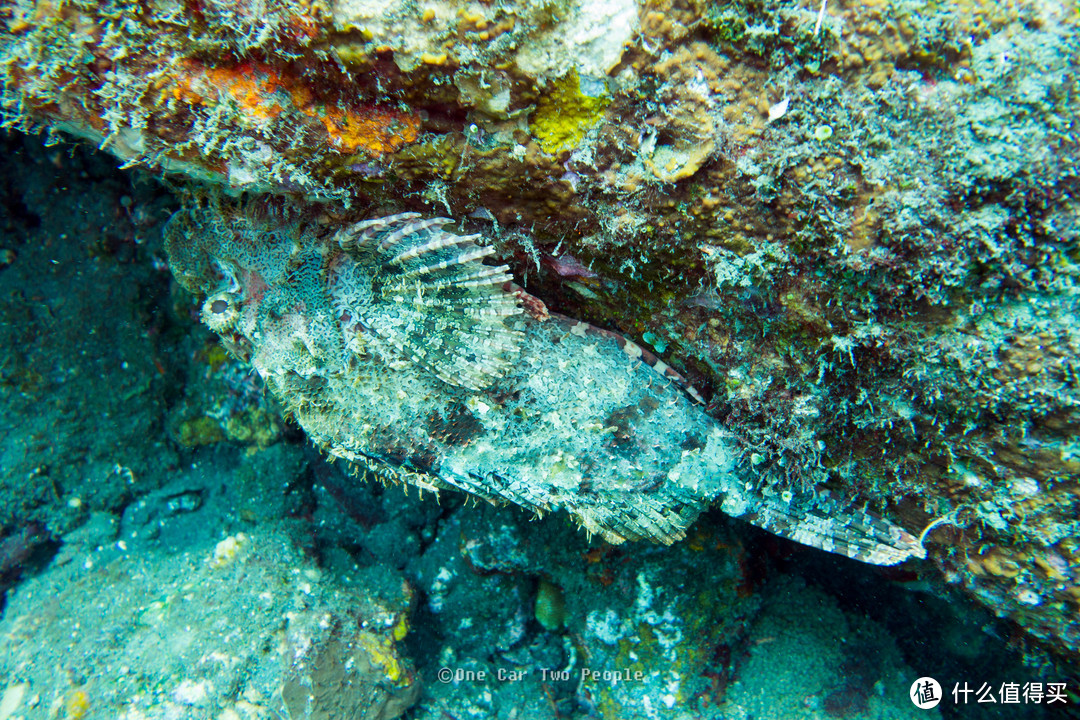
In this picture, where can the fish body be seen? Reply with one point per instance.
(397, 348)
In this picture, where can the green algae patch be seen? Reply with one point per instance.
(565, 114)
(550, 606)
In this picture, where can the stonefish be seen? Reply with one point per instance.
(398, 349)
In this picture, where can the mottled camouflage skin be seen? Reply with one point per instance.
(440, 380)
